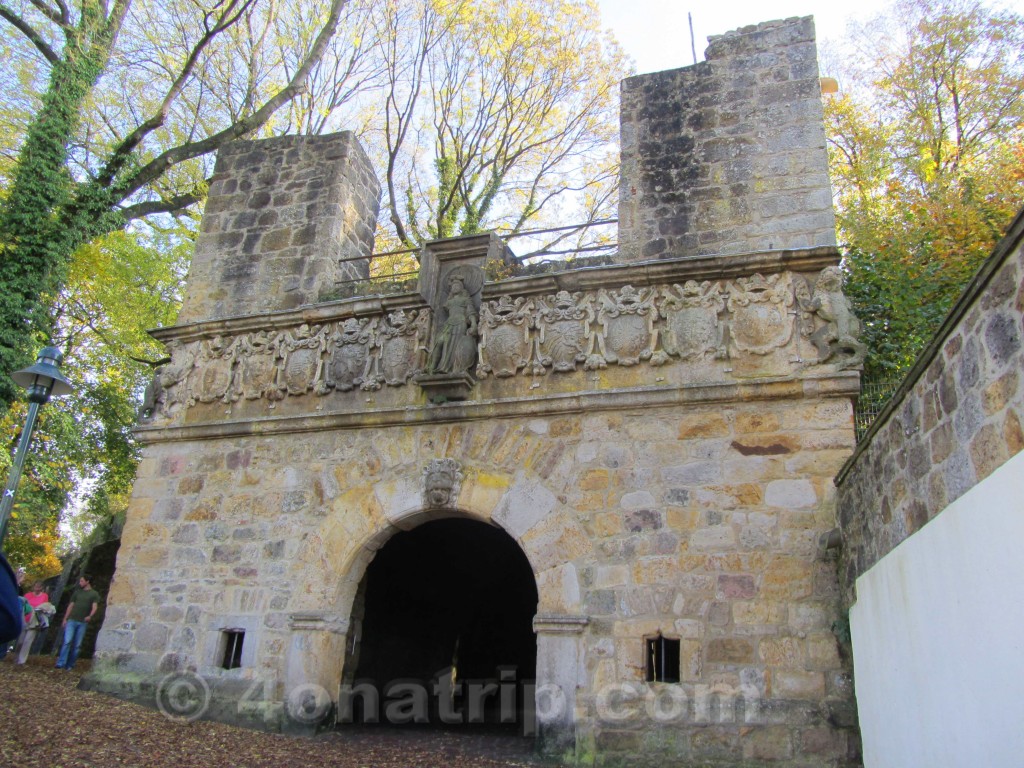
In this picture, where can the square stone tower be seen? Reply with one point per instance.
(727, 156)
(286, 219)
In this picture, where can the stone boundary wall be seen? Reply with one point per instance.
(956, 418)
(728, 155)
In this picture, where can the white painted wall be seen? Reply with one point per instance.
(938, 637)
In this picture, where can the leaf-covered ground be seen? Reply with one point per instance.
(46, 722)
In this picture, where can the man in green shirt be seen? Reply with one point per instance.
(84, 603)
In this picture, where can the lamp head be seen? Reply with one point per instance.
(44, 380)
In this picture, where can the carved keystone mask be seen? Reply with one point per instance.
(442, 481)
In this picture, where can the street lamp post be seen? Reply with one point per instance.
(43, 381)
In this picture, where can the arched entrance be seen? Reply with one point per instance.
(442, 629)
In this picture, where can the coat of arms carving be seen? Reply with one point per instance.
(258, 366)
(692, 325)
(350, 356)
(504, 336)
(303, 350)
(402, 337)
(563, 322)
(761, 318)
(212, 377)
(626, 321)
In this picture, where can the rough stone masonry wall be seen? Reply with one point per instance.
(286, 219)
(727, 156)
(955, 419)
(700, 522)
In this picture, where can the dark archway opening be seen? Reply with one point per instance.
(442, 631)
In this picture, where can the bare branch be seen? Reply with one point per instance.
(156, 167)
(33, 36)
(120, 155)
(168, 205)
(53, 15)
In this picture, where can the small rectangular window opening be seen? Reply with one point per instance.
(233, 639)
(662, 659)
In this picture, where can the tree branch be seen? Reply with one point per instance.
(156, 167)
(168, 205)
(33, 36)
(53, 15)
(123, 151)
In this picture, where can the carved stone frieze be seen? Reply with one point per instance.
(758, 325)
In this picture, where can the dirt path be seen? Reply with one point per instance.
(98, 731)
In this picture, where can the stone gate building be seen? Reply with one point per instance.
(587, 501)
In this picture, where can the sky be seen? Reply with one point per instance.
(656, 33)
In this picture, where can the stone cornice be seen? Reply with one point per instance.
(586, 278)
(666, 271)
(831, 384)
(311, 314)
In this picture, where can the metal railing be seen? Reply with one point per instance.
(396, 271)
(872, 400)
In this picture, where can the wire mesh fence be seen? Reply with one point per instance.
(874, 395)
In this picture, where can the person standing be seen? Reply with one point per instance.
(37, 598)
(85, 601)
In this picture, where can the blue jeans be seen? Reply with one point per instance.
(74, 633)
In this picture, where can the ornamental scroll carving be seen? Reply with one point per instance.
(748, 326)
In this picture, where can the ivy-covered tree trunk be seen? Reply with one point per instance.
(46, 214)
(72, 183)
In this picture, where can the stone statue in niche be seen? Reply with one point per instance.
(442, 479)
(504, 336)
(402, 339)
(350, 361)
(454, 347)
(761, 319)
(837, 338)
(692, 325)
(563, 323)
